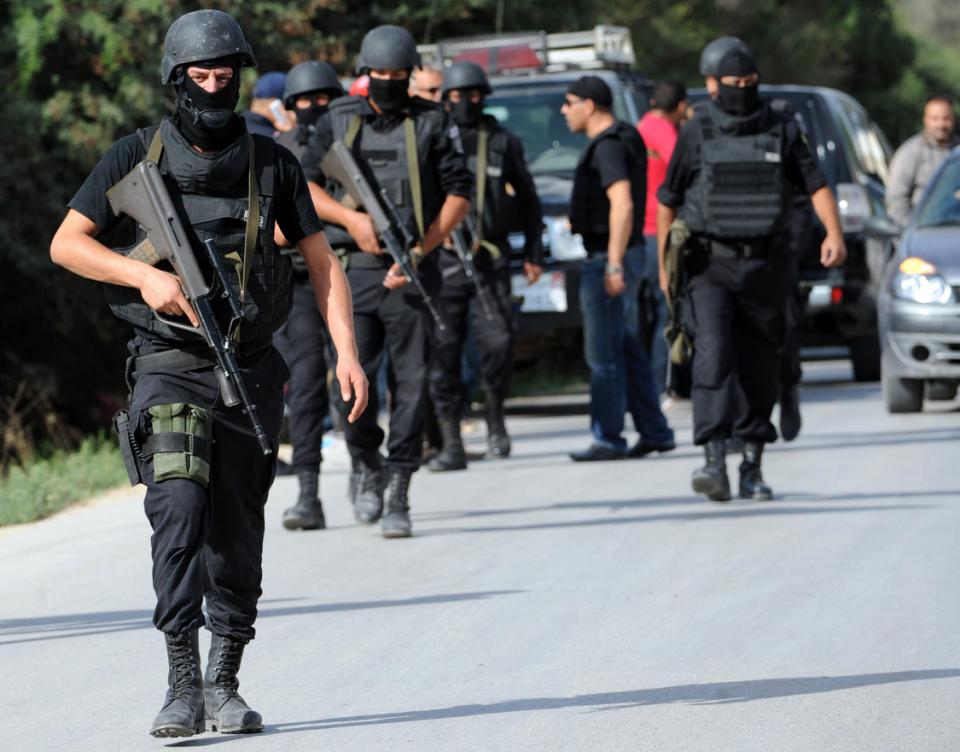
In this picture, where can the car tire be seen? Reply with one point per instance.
(865, 356)
(903, 395)
(941, 391)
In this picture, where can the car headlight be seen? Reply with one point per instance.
(919, 281)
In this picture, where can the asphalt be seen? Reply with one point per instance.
(546, 605)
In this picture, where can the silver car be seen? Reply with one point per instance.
(919, 302)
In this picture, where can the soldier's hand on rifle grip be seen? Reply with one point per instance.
(162, 292)
(833, 252)
(362, 231)
(395, 278)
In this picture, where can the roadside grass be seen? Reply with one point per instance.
(48, 485)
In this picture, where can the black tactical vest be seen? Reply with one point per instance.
(501, 215)
(589, 206)
(383, 156)
(740, 191)
(296, 140)
(206, 189)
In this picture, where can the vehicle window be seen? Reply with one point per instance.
(941, 204)
(860, 134)
(534, 117)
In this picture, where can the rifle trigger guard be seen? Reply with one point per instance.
(177, 325)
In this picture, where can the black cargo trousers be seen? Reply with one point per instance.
(305, 346)
(735, 313)
(460, 306)
(207, 542)
(392, 322)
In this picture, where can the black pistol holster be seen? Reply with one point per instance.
(129, 449)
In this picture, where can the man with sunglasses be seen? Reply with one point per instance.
(606, 209)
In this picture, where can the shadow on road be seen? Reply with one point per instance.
(711, 513)
(106, 622)
(719, 693)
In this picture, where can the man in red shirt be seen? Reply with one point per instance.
(658, 127)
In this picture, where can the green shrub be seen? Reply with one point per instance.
(47, 486)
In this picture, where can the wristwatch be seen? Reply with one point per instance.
(614, 269)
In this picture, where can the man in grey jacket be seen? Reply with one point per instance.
(918, 158)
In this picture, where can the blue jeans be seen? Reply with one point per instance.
(658, 303)
(620, 378)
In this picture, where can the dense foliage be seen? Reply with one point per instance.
(79, 74)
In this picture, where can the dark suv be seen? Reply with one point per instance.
(854, 154)
(529, 106)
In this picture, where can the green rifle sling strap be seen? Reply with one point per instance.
(156, 148)
(413, 169)
(483, 157)
(483, 160)
(413, 162)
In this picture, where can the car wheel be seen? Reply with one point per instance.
(903, 395)
(865, 355)
(941, 391)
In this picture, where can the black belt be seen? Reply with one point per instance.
(746, 249)
(191, 359)
(361, 260)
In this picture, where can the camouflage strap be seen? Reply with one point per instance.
(678, 238)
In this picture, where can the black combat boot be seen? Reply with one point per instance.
(452, 456)
(711, 479)
(307, 513)
(751, 479)
(396, 522)
(182, 712)
(498, 440)
(790, 420)
(226, 710)
(367, 488)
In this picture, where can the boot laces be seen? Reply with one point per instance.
(184, 667)
(227, 664)
(369, 480)
(399, 487)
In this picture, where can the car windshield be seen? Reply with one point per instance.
(941, 205)
(536, 119)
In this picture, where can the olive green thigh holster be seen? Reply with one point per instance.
(180, 443)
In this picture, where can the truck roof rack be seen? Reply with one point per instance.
(600, 47)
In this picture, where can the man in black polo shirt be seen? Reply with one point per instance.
(609, 191)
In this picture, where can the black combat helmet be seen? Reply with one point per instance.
(465, 75)
(714, 52)
(387, 48)
(309, 76)
(203, 35)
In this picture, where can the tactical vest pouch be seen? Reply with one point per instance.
(180, 443)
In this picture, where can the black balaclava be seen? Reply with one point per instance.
(465, 112)
(307, 116)
(736, 100)
(390, 94)
(208, 120)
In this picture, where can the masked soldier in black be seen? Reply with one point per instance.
(207, 477)
(502, 185)
(303, 341)
(732, 177)
(408, 148)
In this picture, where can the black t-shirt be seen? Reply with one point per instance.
(801, 170)
(293, 206)
(610, 161)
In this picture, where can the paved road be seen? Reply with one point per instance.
(547, 606)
